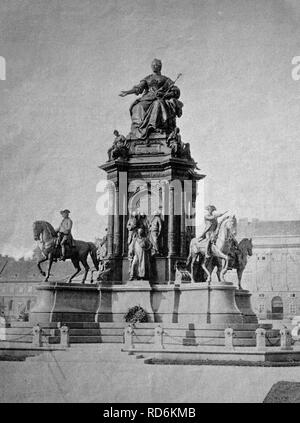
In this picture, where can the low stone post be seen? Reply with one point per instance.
(296, 332)
(260, 339)
(37, 336)
(285, 339)
(2, 328)
(159, 337)
(128, 334)
(64, 336)
(229, 338)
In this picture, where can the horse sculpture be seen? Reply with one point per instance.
(238, 260)
(220, 249)
(44, 232)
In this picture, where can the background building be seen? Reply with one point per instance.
(272, 273)
(18, 279)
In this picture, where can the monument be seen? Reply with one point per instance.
(149, 255)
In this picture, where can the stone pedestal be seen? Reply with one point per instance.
(164, 183)
(115, 300)
(167, 303)
(203, 303)
(188, 303)
(243, 302)
(61, 302)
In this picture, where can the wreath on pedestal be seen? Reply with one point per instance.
(136, 314)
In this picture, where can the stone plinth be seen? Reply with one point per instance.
(190, 303)
(203, 303)
(167, 303)
(166, 183)
(243, 302)
(61, 302)
(115, 300)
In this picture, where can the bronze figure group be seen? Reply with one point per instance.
(143, 243)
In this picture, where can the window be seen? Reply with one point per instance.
(277, 308)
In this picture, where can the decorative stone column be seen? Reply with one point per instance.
(110, 225)
(117, 237)
(171, 228)
(182, 225)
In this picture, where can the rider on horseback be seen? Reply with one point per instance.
(64, 235)
(211, 227)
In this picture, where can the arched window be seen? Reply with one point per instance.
(277, 308)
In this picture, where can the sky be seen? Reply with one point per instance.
(66, 62)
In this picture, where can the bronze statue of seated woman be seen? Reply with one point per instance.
(156, 110)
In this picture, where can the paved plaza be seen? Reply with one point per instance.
(102, 373)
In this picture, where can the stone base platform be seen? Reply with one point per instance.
(166, 303)
(191, 314)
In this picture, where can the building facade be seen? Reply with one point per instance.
(18, 279)
(272, 273)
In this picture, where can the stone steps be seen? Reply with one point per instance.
(89, 339)
(19, 338)
(17, 324)
(79, 353)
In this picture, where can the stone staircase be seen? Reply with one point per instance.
(192, 334)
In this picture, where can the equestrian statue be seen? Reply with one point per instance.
(238, 258)
(60, 245)
(217, 240)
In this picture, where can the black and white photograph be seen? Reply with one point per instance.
(150, 204)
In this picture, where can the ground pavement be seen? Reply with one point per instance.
(102, 373)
